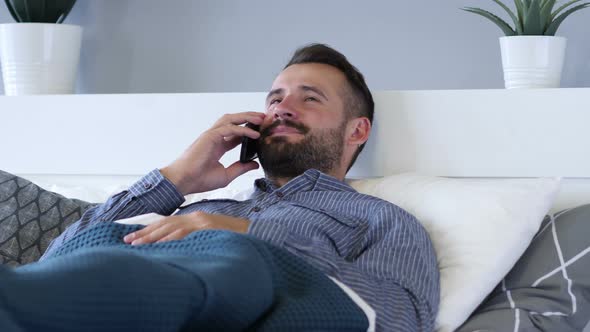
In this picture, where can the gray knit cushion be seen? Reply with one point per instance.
(30, 217)
(549, 287)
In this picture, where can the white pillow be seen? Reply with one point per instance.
(90, 194)
(240, 189)
(98, 192)
(479, 228)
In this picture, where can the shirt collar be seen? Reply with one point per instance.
(312, 179)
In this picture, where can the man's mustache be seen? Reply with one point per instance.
(303, 129)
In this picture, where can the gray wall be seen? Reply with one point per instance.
(144, 46)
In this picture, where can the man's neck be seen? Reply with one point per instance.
(281, 181)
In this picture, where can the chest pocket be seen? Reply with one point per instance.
(344, 233)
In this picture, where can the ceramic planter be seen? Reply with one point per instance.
(39, 58)
(532, 61)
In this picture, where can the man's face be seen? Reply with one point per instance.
(305, 122)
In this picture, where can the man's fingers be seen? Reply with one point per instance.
(235, 130)
(236, 169)
(142, 232)
(240, 118)
(176, 235)
(231, 142)
(150, 237)
(152, 234)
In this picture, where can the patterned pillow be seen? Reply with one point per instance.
(30, 218)
(549, 287)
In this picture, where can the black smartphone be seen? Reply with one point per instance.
(249, 150)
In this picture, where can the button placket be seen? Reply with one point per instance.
(266, 201)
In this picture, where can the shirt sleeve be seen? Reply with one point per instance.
(151, 194)
(403, 268)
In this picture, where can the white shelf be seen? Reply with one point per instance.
(489, 133)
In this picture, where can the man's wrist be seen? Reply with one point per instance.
(175, 179)
(155, 193)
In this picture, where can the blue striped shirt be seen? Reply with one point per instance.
(374, 247)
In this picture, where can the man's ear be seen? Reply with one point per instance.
(357, 131)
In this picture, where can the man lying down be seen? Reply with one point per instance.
(296, 256)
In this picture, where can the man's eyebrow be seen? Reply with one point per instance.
(274, 92)
(313, 89)
(279, 91)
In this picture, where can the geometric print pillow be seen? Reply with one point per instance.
(548, 289)
(30, 218)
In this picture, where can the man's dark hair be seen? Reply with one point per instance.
(359, 101)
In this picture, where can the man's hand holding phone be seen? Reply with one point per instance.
(198, 169)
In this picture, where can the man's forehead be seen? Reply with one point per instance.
(319, 76)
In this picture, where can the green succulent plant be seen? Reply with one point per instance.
(532, 17)
(40, 11)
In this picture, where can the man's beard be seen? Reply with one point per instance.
(321, 150)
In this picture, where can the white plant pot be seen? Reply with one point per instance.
(532, 61)
(39, 58)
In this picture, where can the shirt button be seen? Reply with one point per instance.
(256, 209)
(280, 194)
(147, 185)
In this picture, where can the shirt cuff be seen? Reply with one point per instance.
(157, 193)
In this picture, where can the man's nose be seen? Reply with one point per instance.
(284, 114)
(284, 111)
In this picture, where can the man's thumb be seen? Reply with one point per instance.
(238, 168)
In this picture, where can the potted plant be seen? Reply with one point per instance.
(532, 56)
(39, 55)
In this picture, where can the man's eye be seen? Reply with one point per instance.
(274, 101)
(311, 99)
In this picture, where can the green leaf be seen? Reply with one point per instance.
(546, 7)
(36, 10)
(13, 11)
(527, 5)
(519, 10)
(43, 8)
(53, 10)
(43, 11)
(517, 24)
(27, 12)
(532, 21)
(562, 7)
(67, 8)
(552, 29)
(508, 31)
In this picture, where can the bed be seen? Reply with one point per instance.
(491, 143)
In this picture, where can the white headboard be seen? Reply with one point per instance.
(458, 133)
